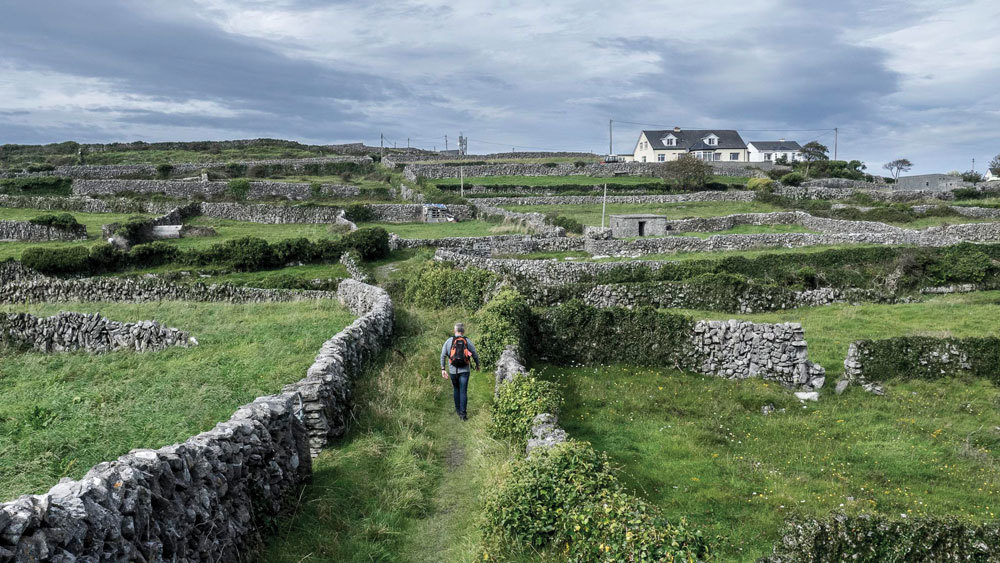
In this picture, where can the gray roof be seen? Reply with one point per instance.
(776, 145)
(691, 139)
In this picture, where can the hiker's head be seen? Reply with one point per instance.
(459, 328)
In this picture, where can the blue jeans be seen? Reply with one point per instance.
(460, 383)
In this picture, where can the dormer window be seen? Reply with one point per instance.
(670, 141)
(711, 140)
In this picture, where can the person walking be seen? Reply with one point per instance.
(460, 353)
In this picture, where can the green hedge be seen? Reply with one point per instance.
(517, 404)
(241, 254)
(506, 320)
(440, 284)
(577, 333)
(39, 185)
(876, 539)
(567, 501)
(919, 357)
(64, 221)
(865, 267)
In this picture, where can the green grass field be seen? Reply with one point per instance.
(700, 448)
(474, 228)
(590, 214)
(63, 413)
(752, 230)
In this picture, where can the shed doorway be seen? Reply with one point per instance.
(642, 228)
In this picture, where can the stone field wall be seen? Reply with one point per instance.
(437, 171)
(68, 332)
(922, 358)
(210, 497)
(148, 171)
(740, 195)
(28, 231)
(490, 245)
(206, 190)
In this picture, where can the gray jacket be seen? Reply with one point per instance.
(446, 350)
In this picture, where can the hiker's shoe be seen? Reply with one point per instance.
(462, 416)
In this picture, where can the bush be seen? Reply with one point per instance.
(571, 225)
(64, 221)
(104, 258)
(688, 172)
(245, 254)
(163, 171)
(550, 164)
(517, 404)
(718, 186)
(580, 164)
(505, 321)
(372, 243)
(57, 261)
(238, 189)
(793, 179)
(969, 193)
(359, 213)
(760, 184)
(293, 250)
(315, 189)
(42, 185)
(135, 229)
(566, 499)
(921, 357)
(440, 284)
(153, 254)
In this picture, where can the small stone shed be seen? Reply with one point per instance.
(638, 225)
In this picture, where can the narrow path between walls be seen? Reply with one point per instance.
(405, 484)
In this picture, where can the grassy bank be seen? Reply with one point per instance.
(542, 181)
(63, 413)
(700, 448)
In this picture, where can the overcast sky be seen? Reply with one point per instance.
(917, 79)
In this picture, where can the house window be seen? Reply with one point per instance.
(717, 156)
(644, 159)
(660, 157)
(670, 142)
(767, 156)
(712, 141)
(734, 156)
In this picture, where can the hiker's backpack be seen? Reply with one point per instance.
(459, 356)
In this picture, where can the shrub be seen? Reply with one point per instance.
(550, 164)
(294, 250)
(440, 284)
(571, 225)
(42, 185)
(969, 193)
(245, 254)
(506, 320)
(315, 189)
(530, 506)
(689, 172)
(960, 264)
(64, 221)
(921, 357)
(238, 189)
(104, 258)
(163, 171)
(359, 213)
(567, 499)
(792, 179)
(236, 169)
(135, 229)
(57, 261)
(153, 254)
(372, 243)
(39, 168)
(517, 404)
(760, 184)
(718, 186)
(580, 164)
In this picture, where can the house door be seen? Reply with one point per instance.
(642, 228)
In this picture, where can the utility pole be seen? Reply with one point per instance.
(381, 145)
(611, 143)
(973, 164)
(461, 175)
(446, 142)
(407, 142)
(836, 134)
(604, 205)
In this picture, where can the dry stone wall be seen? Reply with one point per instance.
(741, 349)
(28, 231)
(113, 171)
(492, 245)
(741, 195)
(68, 332)
(201, 190)
(437, 171)
(534, 221)
(208, 498)
(82, 204)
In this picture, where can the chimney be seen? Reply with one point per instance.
(677, 129)
(781, 140)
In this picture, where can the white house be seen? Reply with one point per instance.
(769, 151)
(711, 145)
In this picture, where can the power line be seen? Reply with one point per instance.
(710, 128)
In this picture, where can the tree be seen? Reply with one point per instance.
(972, 177)
(812, 152)
(994, 165)
(896, 166)
(688, 171)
